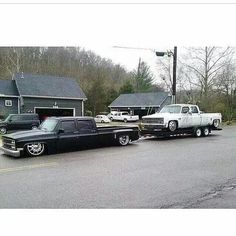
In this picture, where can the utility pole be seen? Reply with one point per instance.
(174, 54)
(161, 54)
(174, 76)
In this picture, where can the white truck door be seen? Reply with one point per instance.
(196, 117)
(186, 118)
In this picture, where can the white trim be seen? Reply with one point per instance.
(34, 96)
(9, 96)
(82, 112)
(55, 109)
(18, 105)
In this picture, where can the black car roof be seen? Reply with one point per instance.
(25, 114)
(72, 117)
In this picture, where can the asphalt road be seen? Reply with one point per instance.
(151, 173)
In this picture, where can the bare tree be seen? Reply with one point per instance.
(227, 86)
(206, 64)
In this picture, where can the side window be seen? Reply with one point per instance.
(27, 117)
(68, 126)
(84, 125)
(185, 110)
(194, 109)
(15, 118)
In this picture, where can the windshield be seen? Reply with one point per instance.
(48, 125)
(171, 109)
(8, 118)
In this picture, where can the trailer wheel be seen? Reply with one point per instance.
(216, 123)
(123, 140)
(172, 126)
(205, 131)
(198, 132)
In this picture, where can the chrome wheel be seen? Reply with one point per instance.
(206, 131)
(34, 127)
(216, 123)
(3, 130)
(125, 120)
(35, 149)
(172, 125)
(198, 132)
(123, 140)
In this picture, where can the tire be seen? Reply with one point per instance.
(35, 149)
(3, 130)
(216, 123)
(172, 126)
(111, 118)
(125, 120)
(34, 127)
(102, 121)
(123, 140)
(205, 131)
(198, 132)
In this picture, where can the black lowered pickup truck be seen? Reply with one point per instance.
(58, 134)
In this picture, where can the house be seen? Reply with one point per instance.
(141, 103)
(45, 95)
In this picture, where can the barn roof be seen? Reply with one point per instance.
(8, 88)
(48, 86)
(140, 99)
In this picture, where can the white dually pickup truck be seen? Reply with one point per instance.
(179, 118)
(123, 116)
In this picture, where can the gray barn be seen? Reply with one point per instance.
(45, 95)
(141, 103)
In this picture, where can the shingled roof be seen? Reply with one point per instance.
(140, 99)
(48, 86)
(8, 88)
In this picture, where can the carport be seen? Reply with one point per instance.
(45, 112)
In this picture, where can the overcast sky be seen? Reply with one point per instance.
(100, 27)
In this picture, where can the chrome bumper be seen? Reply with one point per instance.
(152, 126)
(14, 153)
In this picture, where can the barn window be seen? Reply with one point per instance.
(8, 103)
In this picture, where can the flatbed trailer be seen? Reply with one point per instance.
(197, 131)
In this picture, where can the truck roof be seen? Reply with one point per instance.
(182, 104)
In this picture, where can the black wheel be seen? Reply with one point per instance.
(111, 118)
(205, 131)
(3, 130)
(125, 120)
(172, 126)
(102, 121)
(35, 149)
(198, 132)
(34, 127)
(216, 123)
(123, 140)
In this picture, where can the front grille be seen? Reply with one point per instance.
(8, 143)
(153, 120)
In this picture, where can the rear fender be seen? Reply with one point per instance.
(122, 131)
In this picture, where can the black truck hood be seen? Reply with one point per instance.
(29, 134)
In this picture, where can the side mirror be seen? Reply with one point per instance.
(61, 131)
